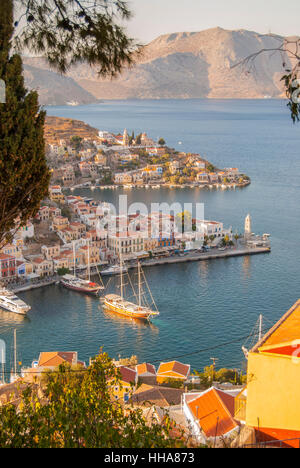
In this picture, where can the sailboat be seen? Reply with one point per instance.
(78, 284)
(14, 376)
(2, 378)
(120, 305)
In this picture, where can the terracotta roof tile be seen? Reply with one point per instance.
(145, 367)
(155, 395)
(127, 375)
(214, 410)
(286, 330)
(174, 366)
(54, 359)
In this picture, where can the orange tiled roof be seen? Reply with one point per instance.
(54, 359)
(145, 367)
(174, 366)
(286, 330)
(214, 410)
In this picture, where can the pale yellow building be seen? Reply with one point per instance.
(272, 403)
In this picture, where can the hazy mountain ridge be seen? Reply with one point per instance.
(191, 65)
(55, 89)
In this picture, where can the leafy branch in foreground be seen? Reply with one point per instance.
(24, 175)
(68, 32)
(77, 410)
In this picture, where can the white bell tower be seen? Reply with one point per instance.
(248, 226)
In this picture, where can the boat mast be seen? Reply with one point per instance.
(74, 255)
(121, 275)
(260, 327)
(149, 291)
(140, 286)
(89, 270)
(15, 351)
(254, 334)
(3, 367)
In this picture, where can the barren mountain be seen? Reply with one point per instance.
(191, 65)
(55, 89)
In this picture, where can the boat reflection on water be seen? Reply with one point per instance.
(11, 319)
(247, 267)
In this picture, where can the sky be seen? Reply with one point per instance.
(155, 17)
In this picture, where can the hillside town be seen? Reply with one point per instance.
(106, 159)
(74, 233)
(45, 246)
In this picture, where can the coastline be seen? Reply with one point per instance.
(192, 257)
(241, 252)
(215, 186)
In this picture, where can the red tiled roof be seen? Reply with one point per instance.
(127, 375)
(38, 260)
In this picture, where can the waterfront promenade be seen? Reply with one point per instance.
(199, 256)
(187, 257)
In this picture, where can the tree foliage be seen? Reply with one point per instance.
(77, 411)
(224, 375)
(184, 221)
(63, 271)
(76, 142)
(292, 87)
(24, 176)
(68, 32)
(289, 50)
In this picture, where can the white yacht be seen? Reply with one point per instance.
(9, 301)
(114, 270)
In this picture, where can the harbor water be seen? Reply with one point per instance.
(206, 308)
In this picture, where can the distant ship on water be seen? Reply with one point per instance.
(72, 103)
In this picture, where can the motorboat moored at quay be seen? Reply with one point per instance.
(113, 270)
(9, 301)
